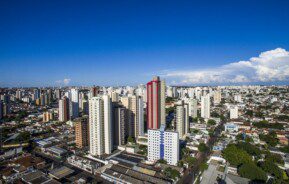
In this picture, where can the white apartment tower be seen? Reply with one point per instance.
(100, 125)
(163, 145)
(205, 106)
(233, 112)
(74, 98)
(193, 107)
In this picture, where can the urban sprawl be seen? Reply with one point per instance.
(149, 134)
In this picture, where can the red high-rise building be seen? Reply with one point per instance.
(153, 103)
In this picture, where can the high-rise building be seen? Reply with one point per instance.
(81, 132)
(217, 97)
(205, 106)
(1, 110)
(135, 121)
(36, 94)
(63, 113)
(155, 103)
(238, 98)
(93, 91)
(114, 96)
(193, 107)
(100, 125)
(49, 96)
(74, 103)
(182, 119)
(163, 145)
(140, 117)
(42, 99)
(169, 91)
(163, 102)
(58, 93)
(84, 107)
(6, 109)
(5, 98)
(19, 94)
(234, 112)
(47, 116)
(120, 133)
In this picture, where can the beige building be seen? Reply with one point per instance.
(81, 132)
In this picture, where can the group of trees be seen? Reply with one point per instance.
(266, 124)
(270, 138)
(211, 122)
(186, 158)
(203, 147)
(242, 137)
(171, 173)
(254, 163)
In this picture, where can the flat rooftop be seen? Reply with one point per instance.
(61, 172)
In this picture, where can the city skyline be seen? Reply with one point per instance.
(191, 43)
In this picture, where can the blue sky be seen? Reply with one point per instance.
(126, 42)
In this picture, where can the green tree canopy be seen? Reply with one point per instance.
(203, 147)
(236, 156)
(251, 171)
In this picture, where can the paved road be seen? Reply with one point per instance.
(191, 173)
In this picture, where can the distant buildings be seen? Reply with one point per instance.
(205, 106)
(63, 111)
(100, 125)
(238, 98)
(155, 103)
(93, 91)
(163, 145)
(81, 132)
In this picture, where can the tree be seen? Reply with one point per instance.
(180, 163)
(171, 173)
(195, 131)
(240, 137)
(203, 166)
(169, 99)
(249, 148)
(249, 113)
(170, 110)
(190, 161)
(275, 158)
(270, 139)
(130, 139)
(211, 122)
(236, 156)
(266, 124)
(251, 171)
(271, 168)
(162, 161)
(285, 149)
(203, 147)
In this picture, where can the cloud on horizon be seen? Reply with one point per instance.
(269, 66)
(63, 82)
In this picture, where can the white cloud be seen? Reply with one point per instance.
(270, 66)
(63, 82)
